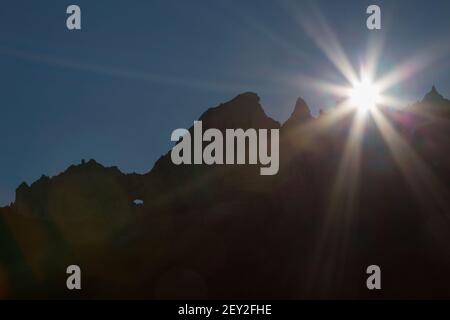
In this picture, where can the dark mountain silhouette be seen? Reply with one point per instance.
(300, 115)
(228, 232)
(434, 96)
(251, 114)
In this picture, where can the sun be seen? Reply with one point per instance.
(364, 95)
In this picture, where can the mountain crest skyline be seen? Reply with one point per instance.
(225, 224)
(243, 111)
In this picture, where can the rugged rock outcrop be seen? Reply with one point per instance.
(228, 232)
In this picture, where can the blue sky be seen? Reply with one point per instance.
(140, 69)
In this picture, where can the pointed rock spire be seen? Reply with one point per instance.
(433, 95)
(300, 115)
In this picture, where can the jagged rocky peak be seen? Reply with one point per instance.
(301, 110)
(244, 111)
(23, 187)
(249, 96)
(300, 115)
(433, 95)
(434, 103)
(89, 166)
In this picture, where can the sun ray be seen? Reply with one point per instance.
(323, 86)
(336, 225)
(394, 102)
(317, 29)
(373, 54)
(412, 66)
(311, 131)
(421, 179)
(126, 73)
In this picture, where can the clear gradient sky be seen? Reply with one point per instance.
(140, 69)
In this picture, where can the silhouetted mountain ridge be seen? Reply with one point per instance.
(244, 111)
(299, 116)
(228, 232)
